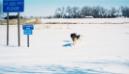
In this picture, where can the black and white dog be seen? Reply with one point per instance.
(74, 37)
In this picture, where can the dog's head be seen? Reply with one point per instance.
(75, 36)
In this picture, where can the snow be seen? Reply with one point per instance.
(102, 48)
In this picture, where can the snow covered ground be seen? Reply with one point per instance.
(102, 48)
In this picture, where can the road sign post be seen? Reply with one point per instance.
(28, 28)
(28, 41)
(7, 43)
(13, 6)
(18, 26)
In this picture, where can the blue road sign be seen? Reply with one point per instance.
(13, 5)
(28, 26)
(28, 29)
(27, 32)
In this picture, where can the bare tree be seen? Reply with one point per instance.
(75, 12)
(68, 12)
(96, 12)
(60, 12)
(86, 11)
(125, 11)
(112, 12)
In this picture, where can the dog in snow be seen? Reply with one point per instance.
(75, 37)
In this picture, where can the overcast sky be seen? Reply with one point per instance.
(47, 7)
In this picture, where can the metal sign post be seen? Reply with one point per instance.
(28, 41)
(7, 43)
(18, 26)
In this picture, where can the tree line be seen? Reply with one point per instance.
(95, 12)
